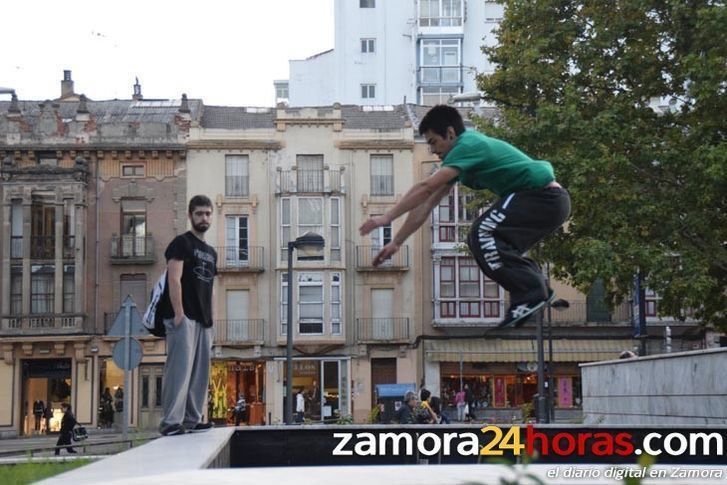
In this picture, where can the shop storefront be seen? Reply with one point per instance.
(325, 387)
(500, 375)
(46, 385)
(500, 386)
(231, 379)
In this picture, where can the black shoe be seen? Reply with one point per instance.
(519, 314)
(200, 427)
(72, 451)
(172, 429)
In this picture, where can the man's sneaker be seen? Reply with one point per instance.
(517, 315)
(200, 427)
(172, 429)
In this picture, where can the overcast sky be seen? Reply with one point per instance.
(226, 52)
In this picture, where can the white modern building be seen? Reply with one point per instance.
(389, 51)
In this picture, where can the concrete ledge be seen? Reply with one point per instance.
(181, 454)
(672, 355)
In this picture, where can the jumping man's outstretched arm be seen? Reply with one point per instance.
(419, 202)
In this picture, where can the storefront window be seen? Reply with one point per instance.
(233, 381)
(111, 402)
(46, 384)
(324, 387)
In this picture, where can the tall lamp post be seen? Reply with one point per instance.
(544, 408)
(309, 245)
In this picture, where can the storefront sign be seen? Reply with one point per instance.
(565, 392)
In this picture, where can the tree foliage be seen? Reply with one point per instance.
(627, 99)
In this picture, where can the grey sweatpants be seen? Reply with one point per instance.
(186, 372)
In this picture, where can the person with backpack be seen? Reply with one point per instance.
(186, 312)
(66, 435)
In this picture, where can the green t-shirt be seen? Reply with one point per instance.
(489, 163)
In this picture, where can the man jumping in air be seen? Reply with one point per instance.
(531, 206)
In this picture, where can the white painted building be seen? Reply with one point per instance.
(386, 51)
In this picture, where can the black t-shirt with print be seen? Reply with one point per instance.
(200, 268)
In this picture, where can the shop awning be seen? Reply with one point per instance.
(504, 350)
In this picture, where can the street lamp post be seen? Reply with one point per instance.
(307, 243)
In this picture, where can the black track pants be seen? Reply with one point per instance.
(500, 237)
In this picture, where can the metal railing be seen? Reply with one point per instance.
(249, 331)
(365, 256)
(580, 312)
(382, 330)
(42, 247)
(131, 248)
(310, 181)
(236, 258)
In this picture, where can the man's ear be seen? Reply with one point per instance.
(451, 134)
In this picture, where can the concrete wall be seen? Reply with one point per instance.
(681, 388)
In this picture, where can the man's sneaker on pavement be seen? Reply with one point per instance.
(519, 314)
(172, 429)
(200, 427)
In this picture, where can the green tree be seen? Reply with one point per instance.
(628, 99)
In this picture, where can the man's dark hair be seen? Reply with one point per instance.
(425, 394)
(199, 201)
(439, 118)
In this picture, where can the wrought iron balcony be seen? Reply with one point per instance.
(382, 330)
(310, 181)
(580, 312)
(42, 247)
(365, 256)
(130, 249)
(240, 332)
(245, 259)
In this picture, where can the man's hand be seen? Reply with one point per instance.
(178, 319)
(386, 252)
(373, 223)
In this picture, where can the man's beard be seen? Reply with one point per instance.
(201, 227)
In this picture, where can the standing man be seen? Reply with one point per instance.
(66, 434)
(186, 307)
(532, 205)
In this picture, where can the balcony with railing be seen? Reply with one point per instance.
(240, 332)
(580, 312)
(42, 324)
(42, 247)
(310, 181)
(382, 330)
(244, 259)
(365, 256)
(131, 249)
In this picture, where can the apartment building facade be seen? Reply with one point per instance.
(91, 191)
(274, 175)
(389, 52)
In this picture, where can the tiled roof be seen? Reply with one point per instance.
(237, 118)
(111, 111)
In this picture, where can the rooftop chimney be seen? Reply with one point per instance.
(14, 108)
(66, 85)
(137, 91)
(184, 106)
